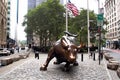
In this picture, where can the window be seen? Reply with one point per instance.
(9, 3)
(8, 7)
(8, 12)
(8, 24)
(8, 18)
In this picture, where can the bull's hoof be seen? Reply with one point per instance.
(66, 69)
(43, 68)
(75, 64)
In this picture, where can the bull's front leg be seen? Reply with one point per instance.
(50, 56)
(67, 66)
(75, 63)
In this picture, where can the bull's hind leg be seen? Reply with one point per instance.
(50, 56)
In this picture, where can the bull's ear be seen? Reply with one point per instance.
(78, 47)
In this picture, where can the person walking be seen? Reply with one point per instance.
(17, 49)
(36, 51)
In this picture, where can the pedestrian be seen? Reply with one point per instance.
(29, 47)
(17, 49)
(92, 49)
(37, 54)
(36, 51)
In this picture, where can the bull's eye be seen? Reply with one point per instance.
(75, 50)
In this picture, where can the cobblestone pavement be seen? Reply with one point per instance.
(29, 70)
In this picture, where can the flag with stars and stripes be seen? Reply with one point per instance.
(72, 8)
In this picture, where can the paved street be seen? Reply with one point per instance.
(115, 53)
(29, 70)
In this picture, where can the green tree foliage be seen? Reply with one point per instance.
(79, 26)
(46, 20)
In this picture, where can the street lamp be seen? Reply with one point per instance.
(88, 25)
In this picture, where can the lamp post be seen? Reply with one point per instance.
(66, 17)
(17, 14)
(88, 25)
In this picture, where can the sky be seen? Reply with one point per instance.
(21, 35)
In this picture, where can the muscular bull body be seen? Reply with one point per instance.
(64, 51)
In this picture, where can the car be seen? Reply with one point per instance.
(4, 51)
(11, 50)
(22, 48)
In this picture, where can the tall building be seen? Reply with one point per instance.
(118, 18)
(112, 14)
(3, 22)
(8, 17)
(31, 4)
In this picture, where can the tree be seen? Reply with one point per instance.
(46, 20)
(79, 26)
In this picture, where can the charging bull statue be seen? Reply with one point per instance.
(64, 50)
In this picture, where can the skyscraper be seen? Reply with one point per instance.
(8, 17)
(111, 14)
(3, 21)
(33, 3)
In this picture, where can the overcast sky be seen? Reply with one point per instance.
(93, 5)
(22, 11)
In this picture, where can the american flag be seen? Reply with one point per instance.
(73, 8)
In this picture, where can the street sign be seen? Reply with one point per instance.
(100, 20)
(100, 17)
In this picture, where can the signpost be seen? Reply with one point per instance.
(100, 20)
(100, 24)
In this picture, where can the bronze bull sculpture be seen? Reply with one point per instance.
(65, 51)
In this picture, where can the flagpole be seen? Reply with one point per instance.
(17, 14)
(88, 26)
(66, 17)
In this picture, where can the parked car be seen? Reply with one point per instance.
(22, 48)
(11, 50)
(4, 51)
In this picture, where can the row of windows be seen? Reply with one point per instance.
(110, 3)
(111, 35)
(110, 11)
(112, 25)
(113, 30)
(111, 17)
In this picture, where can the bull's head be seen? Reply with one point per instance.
(72, 53)
(70, 50)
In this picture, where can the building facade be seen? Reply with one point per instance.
(118, 18)
(8, 17)
(3, 22)
(111, 15)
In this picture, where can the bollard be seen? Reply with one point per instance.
(94, 56)
(81, 56)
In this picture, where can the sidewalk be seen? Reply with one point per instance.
(113, 50)
(6, 60)
(87, 70)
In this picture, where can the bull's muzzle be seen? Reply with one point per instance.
(72, 58)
